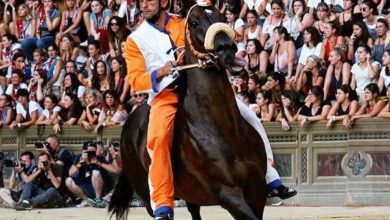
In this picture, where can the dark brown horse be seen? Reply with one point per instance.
(217, 156)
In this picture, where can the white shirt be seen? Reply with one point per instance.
(11, 87)
(46, 112)
(386, 78)
(306, 52)
(32, 106)
(314, 3)
(362, 77)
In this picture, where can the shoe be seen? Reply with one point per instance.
(282, 192)
(84, 44)
(83, 204)
(102, 204)
(24, 205)
(164, 216)
(136, 203)
(94, 202)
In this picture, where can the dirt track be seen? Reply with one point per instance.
(208, 213)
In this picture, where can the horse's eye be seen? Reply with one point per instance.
(193, 23)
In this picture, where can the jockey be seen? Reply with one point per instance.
(150, 57)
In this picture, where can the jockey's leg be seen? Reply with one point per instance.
(272, 176)
(159, 141)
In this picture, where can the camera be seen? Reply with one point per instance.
(42, 145)
(115, 146)
(91, 154)
(11, 163)
(45, 163)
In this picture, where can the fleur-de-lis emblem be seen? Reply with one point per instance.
(356, 163)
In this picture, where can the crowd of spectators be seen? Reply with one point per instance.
(62, 63)
(57, 178)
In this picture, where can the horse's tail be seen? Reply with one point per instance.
(121, 197)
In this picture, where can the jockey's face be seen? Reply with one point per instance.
(151, 8)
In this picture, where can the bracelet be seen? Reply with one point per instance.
(104, 124)
(334, 118)
(306, 118)
(19, 125)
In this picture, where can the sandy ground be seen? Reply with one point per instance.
(208, 213)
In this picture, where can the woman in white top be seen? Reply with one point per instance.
(312, 46)
(22, 25)
(71, 84)
(53, 66)
(364, 71)
(369, 12)
(384, 80)
(27, 112)
(238, 25)
(272, 21)
(51, 111)
(16, 84)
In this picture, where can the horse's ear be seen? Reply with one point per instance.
(186, 5)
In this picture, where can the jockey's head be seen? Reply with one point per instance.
(152, 9)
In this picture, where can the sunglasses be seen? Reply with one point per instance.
(363, 9)
(114, 24)
(138, 95)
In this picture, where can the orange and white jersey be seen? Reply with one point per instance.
(148, 48)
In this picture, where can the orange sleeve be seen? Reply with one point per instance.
(137, 76)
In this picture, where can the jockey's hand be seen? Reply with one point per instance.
(165, 70)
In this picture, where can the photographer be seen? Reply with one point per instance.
(19, 174)
(43, 186)
(60, 155)
(87, 178)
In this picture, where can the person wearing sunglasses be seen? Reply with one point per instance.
(117, 32)
(369, 12)
(140, 98)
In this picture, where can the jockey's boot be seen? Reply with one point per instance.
(282, 192)
(164, 216)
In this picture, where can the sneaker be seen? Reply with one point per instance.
(164, 216)
(84, 44)
(102, 204)
(94, 202)
(282, 192)
(24, 205)
(83, 204)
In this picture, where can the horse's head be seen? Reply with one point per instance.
(209, 38)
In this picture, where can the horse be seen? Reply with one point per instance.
(218, 158)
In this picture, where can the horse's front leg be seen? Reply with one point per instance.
(194, 210)
(232, 199)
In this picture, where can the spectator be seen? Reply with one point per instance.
(22, 26)
(70, 112)
(364, 72)
(331, 40)
(117, 32)
(68, 50)
(6, 110)
(283, 53)
(54, 66)
(312, 46)
(351, 13)
(275, 84)
(129, 13)
(369, 12)
(94, 56)
(48, 21)
(346, 106)
(384, 79)
(298, 21)
(87, 179)
(37, 85)
(238, 26)
(382, 41)
(27, 112)
(99, 18)
(91, 111)
(112, 113)
(253, 87)
(372, 105)
(316, 108)
(100, 77)
(71, 23)
(324, 16)
(16, 83)
(9, 10)
(360, 36)
(42, 187)
(252, 31)
(337, 74)
(290, 108)
(71, 67)
(243, 96)
(51, 111)
(140, 98)
(257, 58)
(18, 176)
(118, 79)
(385, 113)
(311, 75)
(72, 85)
(19, 63)
(240, 82)
(274, 20)
(10, 46)
(39, 60)
(265, 110)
